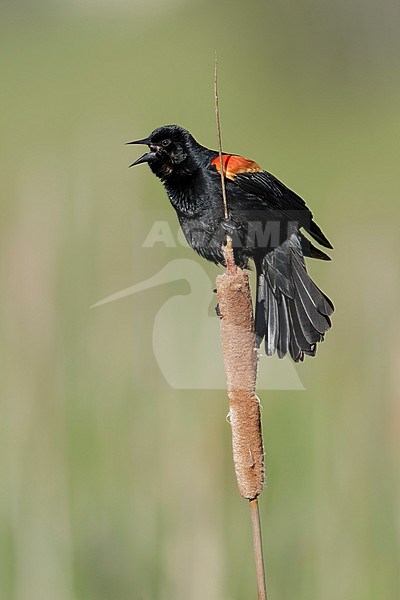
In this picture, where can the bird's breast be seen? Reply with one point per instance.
(183, 201)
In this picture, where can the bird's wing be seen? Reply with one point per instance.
(233, 164)
(252, 179)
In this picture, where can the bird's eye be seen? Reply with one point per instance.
(165, 143)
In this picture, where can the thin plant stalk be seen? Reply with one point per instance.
(258, 549)
(240, 362)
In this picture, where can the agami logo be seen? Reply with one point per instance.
(184, 333)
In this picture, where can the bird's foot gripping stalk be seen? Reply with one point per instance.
(230, 227)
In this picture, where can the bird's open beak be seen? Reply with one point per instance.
(146, 157)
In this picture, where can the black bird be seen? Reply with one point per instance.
(265, 222)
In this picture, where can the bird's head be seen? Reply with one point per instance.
(172, 150)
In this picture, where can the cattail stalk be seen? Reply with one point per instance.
(240, 361)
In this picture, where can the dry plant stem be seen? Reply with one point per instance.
(258, 551)
(217, 121)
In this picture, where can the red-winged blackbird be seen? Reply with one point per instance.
(265, 219)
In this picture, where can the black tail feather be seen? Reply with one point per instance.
(272, 319)
(292, 313)
(303, 344)
(313, 299)
(260, 321)
(284, 328)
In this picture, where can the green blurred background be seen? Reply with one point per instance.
(114, 485)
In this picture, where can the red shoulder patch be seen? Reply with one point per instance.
(234, 164)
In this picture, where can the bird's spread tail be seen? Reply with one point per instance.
(292, 313)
